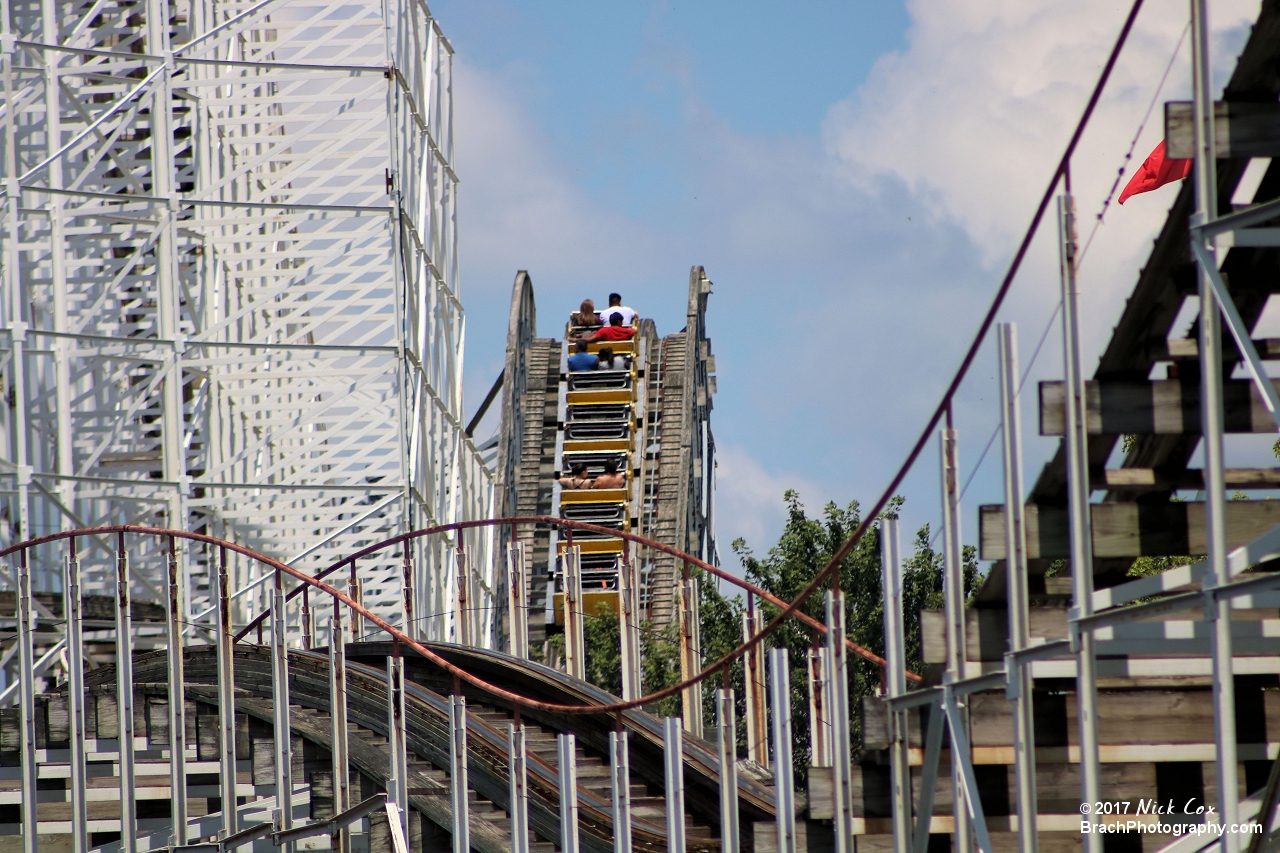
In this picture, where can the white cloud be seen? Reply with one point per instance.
(749, 502)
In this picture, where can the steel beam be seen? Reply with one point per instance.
(76, 702)
(27, 702)
(895, 656)
(1016, 571)
(462, 624)
(282, 732)
(753, 670)
(458, 773)
(1081, 523)
(820, 752)
(567, 746)
(841, 746)
(784, 783)
(727, 744)
(690, 653)
(398, 772)
(517, 601)
(174, 616)
(1211, 378)
(953, 595)
(620, 773)
(518, 778)
(226, 700)
(124, 699)
(575, 644)
(629, 628)
(673, 761)
(338, 714)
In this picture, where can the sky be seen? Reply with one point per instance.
(853, 176)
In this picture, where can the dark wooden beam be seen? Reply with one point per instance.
(1127, 529)
(1152, 480)
(1155, 407)
(1240, 129)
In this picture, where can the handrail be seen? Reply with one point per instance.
(716, 668)
(592, 528)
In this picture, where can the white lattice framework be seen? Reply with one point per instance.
(231, 287)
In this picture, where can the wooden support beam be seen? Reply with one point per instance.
(1241, 129)
(1179, 349)
(1156, 407)
(1151, 480)
(1127, 529)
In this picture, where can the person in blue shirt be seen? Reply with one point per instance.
(581, 359)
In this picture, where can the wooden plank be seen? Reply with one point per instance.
(1148, 479)
(1128, 529)
(1240, 128)
(1178, 349)
(1157, 407)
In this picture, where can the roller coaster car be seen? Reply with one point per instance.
(595, 380)
(595, 460)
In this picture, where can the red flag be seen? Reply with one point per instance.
(1155, 172)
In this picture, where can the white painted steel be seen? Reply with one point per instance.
(237, 297)
(629, 631)
(1016, 574)
(673, 762)
(783, 772)
(817, 666)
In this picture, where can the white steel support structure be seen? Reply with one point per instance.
(228, 244)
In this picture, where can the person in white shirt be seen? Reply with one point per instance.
(616, 307)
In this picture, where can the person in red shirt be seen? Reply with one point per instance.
(615, 331)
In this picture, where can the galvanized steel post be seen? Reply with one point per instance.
(338, 715)
(568, 752)
(690, 653)
(27, 704)
(896, 681)
(226, 699)
(575, 648)
(953, 593)
(398, 784)
(819, 707)
(517, 601)
(124, 699)
(783, 773)
(1081, 523)
(177, 702)
(1024, 741)
(1217, 610)
(727, 742)
(76, 702)
(629, 629)
(620, 773)
(673, 761)
(841, 747)
(462, 624)
(458, 774)
(753, 672)
(282, 731)
(518, 778)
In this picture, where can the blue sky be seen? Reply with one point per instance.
(852, 176)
